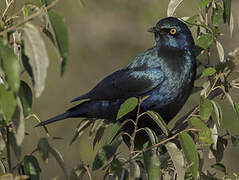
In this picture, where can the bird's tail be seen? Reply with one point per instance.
(54, 119)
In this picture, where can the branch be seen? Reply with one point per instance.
(39, 12)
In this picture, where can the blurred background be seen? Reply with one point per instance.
(105, 36)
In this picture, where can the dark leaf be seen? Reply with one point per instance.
(126, 107)
(151, 163)
(43, 149)
(235, 140)
(206, 108)
(16, 148)
(99, 134)
(25, 94)
(190, 153)
(221, 146)
(18, 123)
(227, 10)
(208, 72)
(7, 102)
(204, 133)
(220, 167)
(78, 172)
(152, 135)
(60, 29)
(159, 120)
(57, 155)
(35, 50)
(10, 66)
(80, 129)
(25, 62)
(106, 153)
(31, 167)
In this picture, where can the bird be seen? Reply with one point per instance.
(165, 73)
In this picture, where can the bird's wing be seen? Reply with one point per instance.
(126, 83)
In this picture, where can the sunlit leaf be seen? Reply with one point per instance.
(152, 135)
(217, 14)
(126, 107)
(96, 125)
(7, 102)
(25, 94)
(208, 72)
(10, 65)
(152, 164)
(134, 170)
(43, 149)
(60, 29)
(203, 3)
(220, 167)
(35, 50)
(204, 133)
(220, 51)
(18, 123)
(231, 24)
(205, 108)
(57, 155)
(31, 167)
(218, 111)
(159, 121)
(106, 153)
(204, 41)
(178, 159)
(214, 133)
(190, 153)
(227, 10)
(172, 6)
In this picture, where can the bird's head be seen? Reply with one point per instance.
(172, 33)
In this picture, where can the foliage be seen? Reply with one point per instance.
(176, 154)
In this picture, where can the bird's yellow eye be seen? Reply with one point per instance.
(173, 31)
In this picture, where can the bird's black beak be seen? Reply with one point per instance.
(152, 29)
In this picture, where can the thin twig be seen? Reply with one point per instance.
(7, 8)
(88, 172)
(39, 12)
(8, 150)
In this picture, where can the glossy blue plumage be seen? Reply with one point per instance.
(164, 72)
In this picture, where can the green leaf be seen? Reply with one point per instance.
(60, 29)
(178, 160)
(43, 149)
(7, 102)
(227, 10)
(25, 94)
(134, 169)
(57, 155)
(217, 14)
(35, 50)
(172, 6)
(106, 153)
(25, 12)
(204, 133)
(191, 21)
(204, 41)
(159, 120)
(126, 107)
(83, 3)
(206, 108)
(31, 167)
(220, 167)
(190, 152)
(204, 3)
(208, 72)
(152, 164)
(10, 66)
